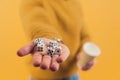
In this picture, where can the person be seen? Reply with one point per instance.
(48, 19)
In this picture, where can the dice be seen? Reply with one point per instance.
(39, 43)
(50, 51)
(58, 50)
(40, 46)
(53, 48)
(53, 43)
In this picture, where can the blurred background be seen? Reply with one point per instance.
(103, 20)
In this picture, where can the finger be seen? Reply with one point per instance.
(26, 49)
(78, 57)
(36, 59)
(46, 61)
(54, 64)
(88, 66)
(64, 54)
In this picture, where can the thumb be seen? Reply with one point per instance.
(26, 49)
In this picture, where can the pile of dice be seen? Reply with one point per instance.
(39, 43)
(53, 48)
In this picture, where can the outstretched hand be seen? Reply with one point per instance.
(41, 59)
(88, 66)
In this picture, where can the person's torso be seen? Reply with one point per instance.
(66, 16)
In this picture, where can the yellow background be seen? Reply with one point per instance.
(103, 20)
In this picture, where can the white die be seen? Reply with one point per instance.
(50, 51)
(38, 41)
(40, 46)
(58, 50)
(53, 43)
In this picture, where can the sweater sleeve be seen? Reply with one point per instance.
(85, 37)
(84, 34)
(36, 20)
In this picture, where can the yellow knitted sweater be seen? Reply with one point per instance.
(54, 18)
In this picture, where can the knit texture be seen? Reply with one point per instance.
(54, 18)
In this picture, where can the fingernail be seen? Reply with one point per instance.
(44, 67)
(59, 60)
(19, 54)
(36, 65)
(54, 69)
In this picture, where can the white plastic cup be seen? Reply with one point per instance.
(90, 51)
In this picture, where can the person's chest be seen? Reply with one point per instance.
(66, 14)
